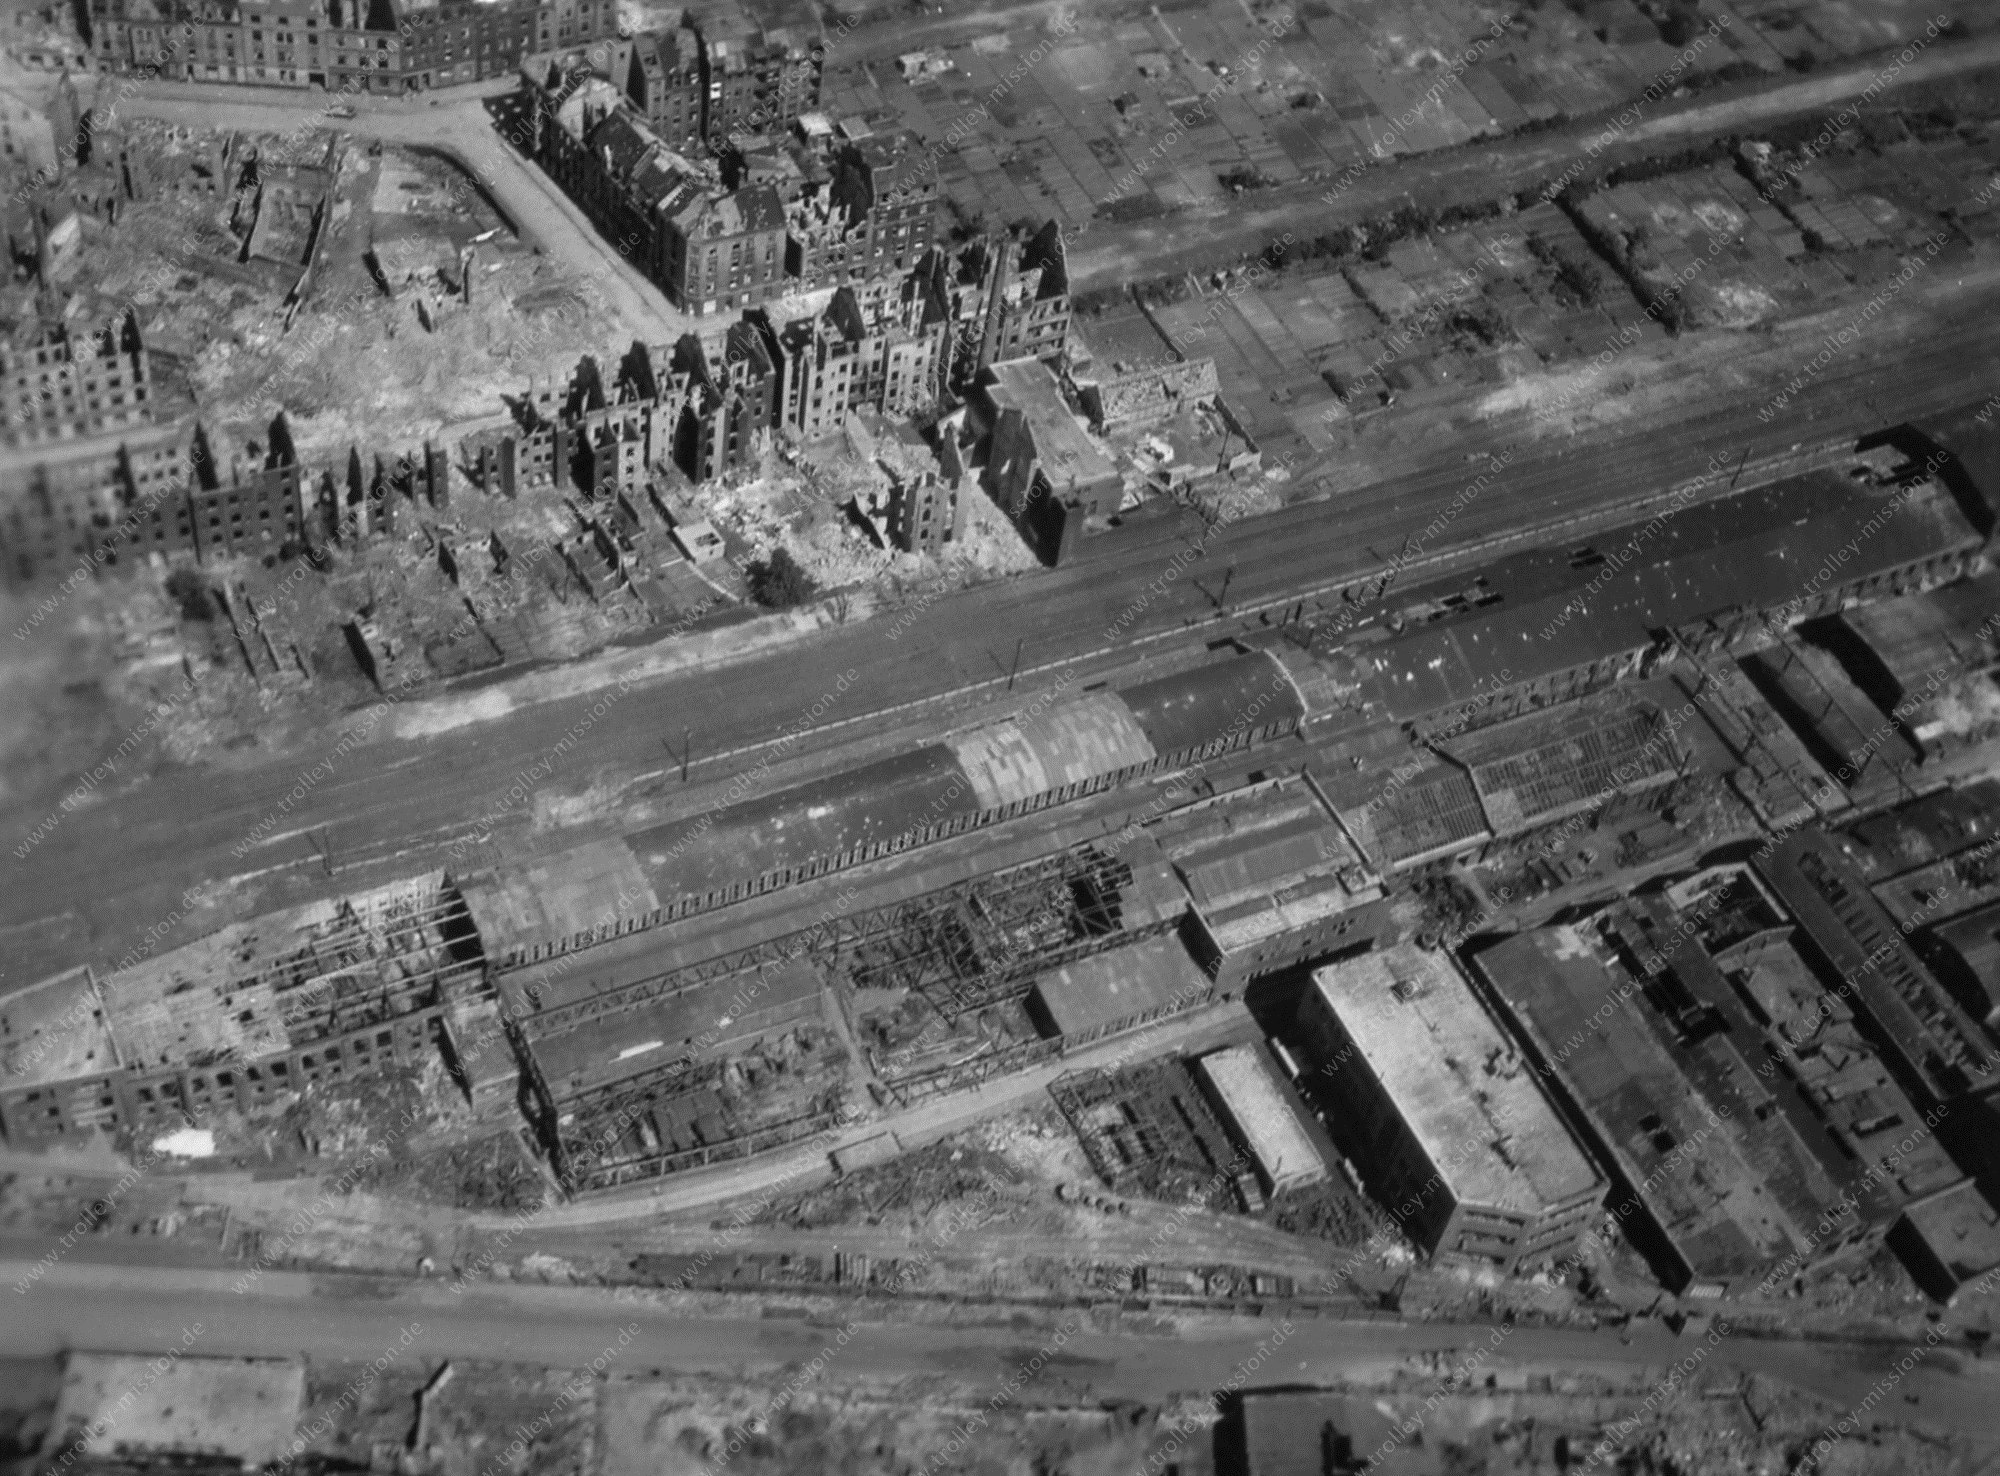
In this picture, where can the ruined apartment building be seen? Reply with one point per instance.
(754, 79)
(34, 136)
(876, 215)
(879, 346)
(1046, 474)
(925, 505)
(377, 46)
(730, 405)
(1009, 300)
(83, 460)
(660, 72)
(710, 413)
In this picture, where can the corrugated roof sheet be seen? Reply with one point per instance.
(1764, 550)
(1016, 759)
(1195, 707)
(1258, 862)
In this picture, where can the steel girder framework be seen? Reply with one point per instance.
(984, 940)
(964, 946)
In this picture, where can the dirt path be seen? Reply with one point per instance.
(144, 1310)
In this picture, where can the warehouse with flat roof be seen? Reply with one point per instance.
(1459, 1140)
(1263, 1114)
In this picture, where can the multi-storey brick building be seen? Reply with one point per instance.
(711, 249)
(245, 509)
(92, 472)
(927, 497)
(889, 184)
(379, 46)
(721, 249)
(1007, 299)
(877, 345)
(754, 80)
(877, 215)
(660, 73)
(727, 413)
(710, 413)
(79, 447)
(28, 132)
(1043, 471)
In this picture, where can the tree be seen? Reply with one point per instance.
(192, 593)
(778, 583)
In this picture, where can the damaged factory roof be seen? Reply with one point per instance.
(1730, 1193)
(1762, 550)
(55, 1030)
(1937, 1046)
(1106, 988)
(258, 987)
(1540, 768)
(704, 1022)
(1274, 868)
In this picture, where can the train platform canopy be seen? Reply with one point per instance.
(1264, 1114)
(1155, 974)
(869, 804)
(587, 886)
(1051, 744)
(1076, 740)
(1970, 437)
(1760, 550)
(1191, 708)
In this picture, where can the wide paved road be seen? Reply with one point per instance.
(130, 1309)
(120, 865)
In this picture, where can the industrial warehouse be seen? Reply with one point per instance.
(969, 739)
(814, 965)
